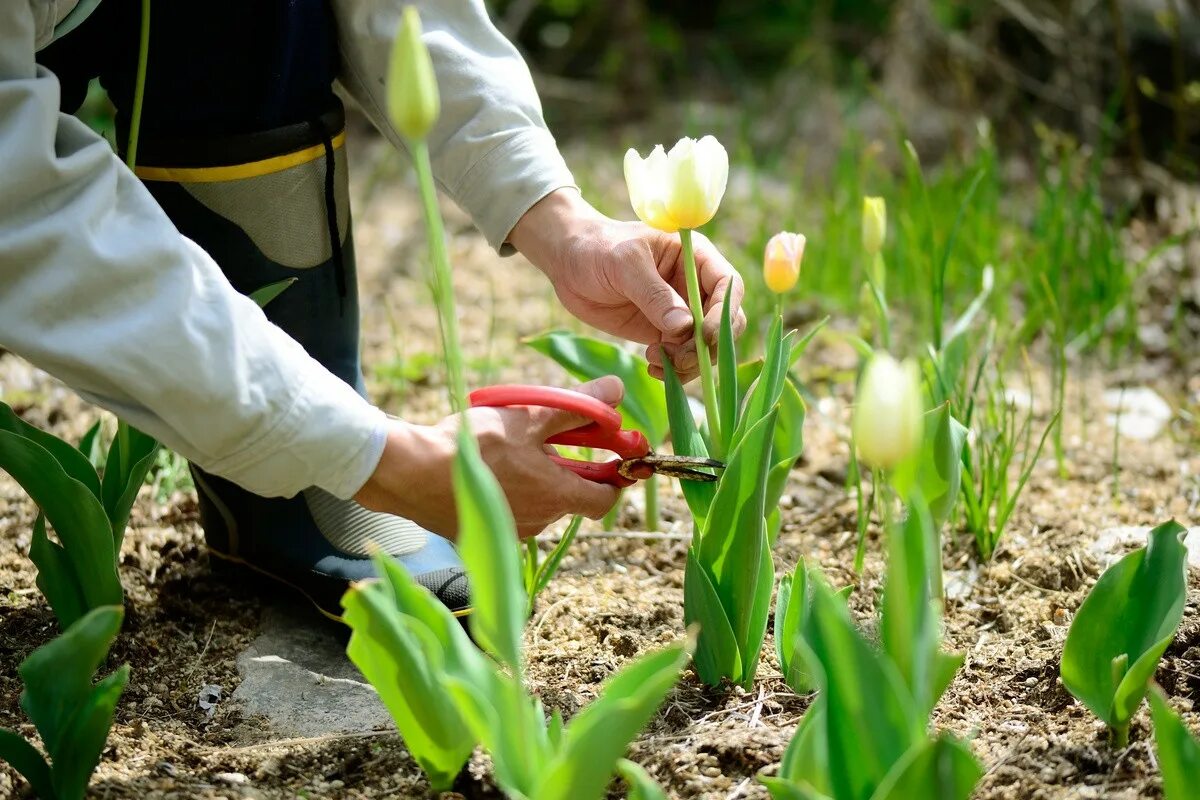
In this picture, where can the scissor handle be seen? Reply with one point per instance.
(603, 432)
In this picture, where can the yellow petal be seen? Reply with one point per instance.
(889, 412)
(698, 173)
(646, 181)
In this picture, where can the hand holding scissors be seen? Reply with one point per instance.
(637, 461)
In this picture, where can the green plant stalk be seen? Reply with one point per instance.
(135, 124)
(651, 488)
(707, 384)
(443, 287)
(875, 280)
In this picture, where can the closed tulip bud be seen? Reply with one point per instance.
(680, 189)
(412, 91)
(874, 224)
(889, 412)
(781, 261)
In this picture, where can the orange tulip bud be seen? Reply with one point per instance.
(781, 261)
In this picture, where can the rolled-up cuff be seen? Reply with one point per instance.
(509, 180)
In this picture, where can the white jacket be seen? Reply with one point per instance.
(99, 289)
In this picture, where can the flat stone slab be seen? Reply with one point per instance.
(297, 675)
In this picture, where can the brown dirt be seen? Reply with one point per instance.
(617, 594)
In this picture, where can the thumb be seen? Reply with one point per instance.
(655, 298)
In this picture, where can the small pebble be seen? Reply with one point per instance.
(232, 778)
(711, 772)
(1031, 681)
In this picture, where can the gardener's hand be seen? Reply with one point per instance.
(413, 477)
(627, 279)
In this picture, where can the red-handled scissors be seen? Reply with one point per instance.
(637, 461)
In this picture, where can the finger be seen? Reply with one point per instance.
(640, 282)
(528, 530)
(609, 389)
(549, 422)
(593, 500)
(731, 285)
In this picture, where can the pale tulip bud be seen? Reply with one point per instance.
(874, 224)
(889, 412)
(679, 189)
(781, 261)
(412, 90)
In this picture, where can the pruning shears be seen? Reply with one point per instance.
(637, 461)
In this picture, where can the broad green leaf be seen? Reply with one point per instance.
(717, 654)
(643, 408)
(1124, 625)
(599, 735)
(56, 577)
(686, 441)
(25, 759)
(734, 539)
(1178, 750)
(910, 625)
(90, 446)
(72, 461)
(641, 785)
(728, 398)
(76, 759)
(786, 447)
(934, 769)
(791, 611)
(58, 675)
(404, 666)
(517, 738)
(760, 612)
(871, 721)
(76, 514)
(764, 394)
(124, 474)
(805, 765)
(940, 474)
(487, 537)
(265, 294)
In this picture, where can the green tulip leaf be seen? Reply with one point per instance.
(717, 654)
(871, 721)
(74, 763)
(1123, 627)
(641, 785)
(76, 514)
(600, 733)
(687, 441)
(56, 576)
(265, 294)
(1178, 750)
(940, 474)
(487, 537)
(934, 769)
(73, 462)
(728, 397)
(26, 760)
(124, 474)
(644, 407)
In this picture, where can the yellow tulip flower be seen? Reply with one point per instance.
(781, 261)
(889, 412)
(680, 189)
(874, 224)
(412, 90)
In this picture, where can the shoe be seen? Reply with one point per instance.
(277, 207)
(319, 545)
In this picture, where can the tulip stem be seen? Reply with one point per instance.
(442, 285)
(706, 373)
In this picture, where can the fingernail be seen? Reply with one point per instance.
(677, 319)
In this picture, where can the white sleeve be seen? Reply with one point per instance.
(491, 149)
(99, 289)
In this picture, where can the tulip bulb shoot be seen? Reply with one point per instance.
(889, 412)
(874, 224)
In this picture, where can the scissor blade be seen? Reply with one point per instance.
(687, 468)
